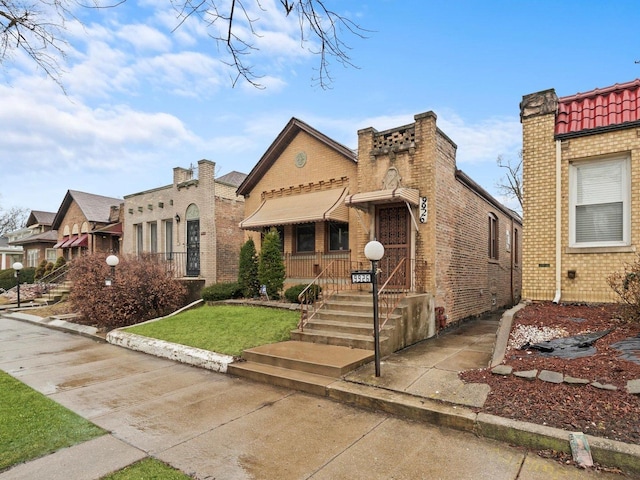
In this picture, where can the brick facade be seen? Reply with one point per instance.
(548, 260)
(215, 206)
(448, 253)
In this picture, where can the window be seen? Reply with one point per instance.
(139, 239)
(168, 239)
(32, 257)
(153, 237)
(599, 212)
(338, 236)
(493, 237)
(50, 253)
(305, 236)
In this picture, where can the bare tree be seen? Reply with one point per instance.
(510, 185)
(12, 219)
(36, 29)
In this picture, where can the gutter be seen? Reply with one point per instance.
(556, 298)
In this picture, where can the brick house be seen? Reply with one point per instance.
(581, 154)
(37, 239)
(9, 254)
(444, 236)
(192, 224)
(87, 223)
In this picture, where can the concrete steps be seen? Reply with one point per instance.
(302, 366)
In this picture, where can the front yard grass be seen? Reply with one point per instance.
(225, 329)
(32, 425)
(148, 469)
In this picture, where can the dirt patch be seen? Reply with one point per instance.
(604, 413)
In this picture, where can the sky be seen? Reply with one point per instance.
(145, 92)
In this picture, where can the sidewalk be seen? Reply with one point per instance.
(421, 383)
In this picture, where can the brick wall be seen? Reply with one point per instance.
(161, 205)
(592, 265)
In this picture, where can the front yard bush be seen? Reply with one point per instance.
(8, 277)
(626, 284)
(140, 290)
(271, 272)
(292, 293)
(221, 291)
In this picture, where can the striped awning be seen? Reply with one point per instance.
(324, 205)
(364, 199)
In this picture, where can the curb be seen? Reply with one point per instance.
(57, 324)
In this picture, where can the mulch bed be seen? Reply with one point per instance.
(610, 414)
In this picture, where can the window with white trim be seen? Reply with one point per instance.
(599, 203)
(493, 237)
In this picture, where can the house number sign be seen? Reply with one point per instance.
(423, 209)
(361, 276)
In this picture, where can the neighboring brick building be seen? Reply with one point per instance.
(37, 239)
(87, 223)
(193, 223)
(458, 243)
(581, 154)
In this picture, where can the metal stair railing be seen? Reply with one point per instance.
(389, 297)
(53, 278)
(334, 278)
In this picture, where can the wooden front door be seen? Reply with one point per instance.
(392, 230)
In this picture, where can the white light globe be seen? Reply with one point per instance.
(112, 260)
(17, 266)
(374, 250)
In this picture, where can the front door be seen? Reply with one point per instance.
(392, 230)
(193, 248)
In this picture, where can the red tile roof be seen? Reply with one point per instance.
(599, 108)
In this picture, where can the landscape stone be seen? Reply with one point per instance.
(502, 370)
(551, 377)
(604, 386)
(527, 374)
(576, 381)
(633, 387)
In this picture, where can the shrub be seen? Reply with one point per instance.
(39, 273)
(8, 277)
(626, 285)
(248, 270)
(141, 290)
(271, 266)
(59, 263)
(292, 293)
(221, 291)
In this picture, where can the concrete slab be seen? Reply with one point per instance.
(537, 468)
(402, 450)
(86, 461)
(392, 375)
(466, 359)
(287, 439)
(425, 354)
(446, 386)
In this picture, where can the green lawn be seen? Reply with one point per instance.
(226, 329)
(148, 469)
(31, 425)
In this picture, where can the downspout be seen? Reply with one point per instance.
(556, 299)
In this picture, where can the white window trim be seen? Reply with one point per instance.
(626, 204)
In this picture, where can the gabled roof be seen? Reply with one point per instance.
(600, 109)
(95, 208)
(232, 178)
(281, 142)
(40, 218)
(50, 236)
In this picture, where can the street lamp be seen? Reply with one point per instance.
(112, 261)
(374, 251)
(17, 267)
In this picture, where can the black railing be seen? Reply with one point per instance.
(175, 263)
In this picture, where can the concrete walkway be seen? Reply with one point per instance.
(189, 417)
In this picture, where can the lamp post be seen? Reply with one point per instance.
(112, 261)
(374, 251)
(17, 267)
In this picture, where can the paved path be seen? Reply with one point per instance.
(211, 425)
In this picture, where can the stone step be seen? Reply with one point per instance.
(326, 360)
(350, 306)
(356, 328)
(283, 377)
(364, 342)
(351, 317)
